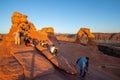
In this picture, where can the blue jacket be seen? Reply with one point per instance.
(82, 62)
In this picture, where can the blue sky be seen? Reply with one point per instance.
(66, 16)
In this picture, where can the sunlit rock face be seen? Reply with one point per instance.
(84, 36)
(85, 31)
(21, 23)
(48, 30)
(18, 18)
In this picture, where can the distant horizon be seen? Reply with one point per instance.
(65, 16)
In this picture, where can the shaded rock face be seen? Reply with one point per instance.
(10, 69)
(116, 37)
(1, 36)
(91, 42)
(112, 51)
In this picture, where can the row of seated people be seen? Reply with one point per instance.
(30, 42)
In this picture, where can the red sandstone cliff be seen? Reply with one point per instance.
(98, 36)
(107, 36)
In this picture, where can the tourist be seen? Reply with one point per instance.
(83, 64)
(44, 44)
(53, 50)
(35, 42)
(21, 37)
(28, 42)
(17, 37)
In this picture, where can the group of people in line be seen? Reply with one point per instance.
(82, 62)
(19, 37)
(32, 42)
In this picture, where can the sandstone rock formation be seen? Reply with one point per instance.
(102, 36)
(84, 32)
(18, 18)
(116, 37)
(107, 36)
(50, 33)
(20, 22)
(48, 30)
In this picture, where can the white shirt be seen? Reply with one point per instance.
(17, 34)
(52, 48)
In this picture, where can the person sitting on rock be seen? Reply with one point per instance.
(43, 44)
(26, 38)
(53, 50)
(28, 42)
(35, 42)
(83, 64)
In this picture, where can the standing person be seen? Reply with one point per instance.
(17, 37)
(21, 37)
(83, 64)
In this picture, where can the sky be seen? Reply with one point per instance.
(65, 16)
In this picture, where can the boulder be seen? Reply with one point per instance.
(48, 30)
(19, 22)
(38, 35)
(23, 19)
(16, 18)
(50, 33)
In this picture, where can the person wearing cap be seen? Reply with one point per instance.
(83, 63)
